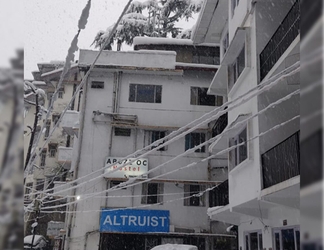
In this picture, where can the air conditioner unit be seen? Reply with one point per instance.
(197, 230)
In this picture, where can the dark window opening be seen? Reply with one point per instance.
(157, 135)
(152, 193)
(194, 139)
(199, 96)
(97, 85)
(122, 131)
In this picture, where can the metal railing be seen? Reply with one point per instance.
(281, 162)
(219, 195)
(285, 34)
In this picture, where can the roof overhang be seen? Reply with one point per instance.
(211, 22)
(220, 81)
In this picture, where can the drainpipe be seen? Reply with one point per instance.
(76, 168)
(86, 237)
(115, 102)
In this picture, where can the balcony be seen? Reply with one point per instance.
(70, 122)
(65, 156)
(282, 162)
(285, 34)
(219, 195)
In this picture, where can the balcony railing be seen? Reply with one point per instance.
(219, 195)
(281, 162)
(220, 125)
(286, 33)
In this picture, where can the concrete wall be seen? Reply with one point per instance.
(174, 111)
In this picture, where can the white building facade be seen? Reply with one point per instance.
(259, 43)
(130, 100)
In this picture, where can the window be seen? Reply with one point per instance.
(97, 85)
(199, 96)
(286, 238)
(122, 131)
(43, 158)
(52, 148)
(48, 128)
(60, 94)
(225, 43)
(253, 241)
(152, 193)
(194, 139)
(205, 55)
(145, 93)
(115, 183)
(193, 191)
(236, 68)
(152, 136)
(55, 118)
(239, 154)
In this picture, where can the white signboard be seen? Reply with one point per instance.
(134, 169)
(54, 227)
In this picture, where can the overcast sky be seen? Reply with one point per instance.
(11, 30)
(50, 25)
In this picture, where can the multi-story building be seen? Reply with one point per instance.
(54, 160)
(130, 100)
(259, 42)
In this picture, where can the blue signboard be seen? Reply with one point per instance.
(134, 220)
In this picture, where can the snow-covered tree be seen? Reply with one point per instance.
(152, 18)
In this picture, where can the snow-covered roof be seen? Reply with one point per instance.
(170, 41)
(73, 65)
(196, 65)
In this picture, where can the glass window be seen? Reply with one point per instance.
(122, 131)
(145, 93)
(194, 139)
(190, 191)
(199, 96)
(52, 148)
(238, 154)
(155, 136)
(152, 193)
(97, 85)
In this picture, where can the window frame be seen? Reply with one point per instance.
(278, 230)
(118, 131)
(197, 93)
(133, 95)
(235, 69)
(148, 138)
(235, 153)
(145, 199)
(192, 201)
(247, 239)
(48, 128)
(52, 148)
(190, 141)
(43, 158)
(97, 84)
